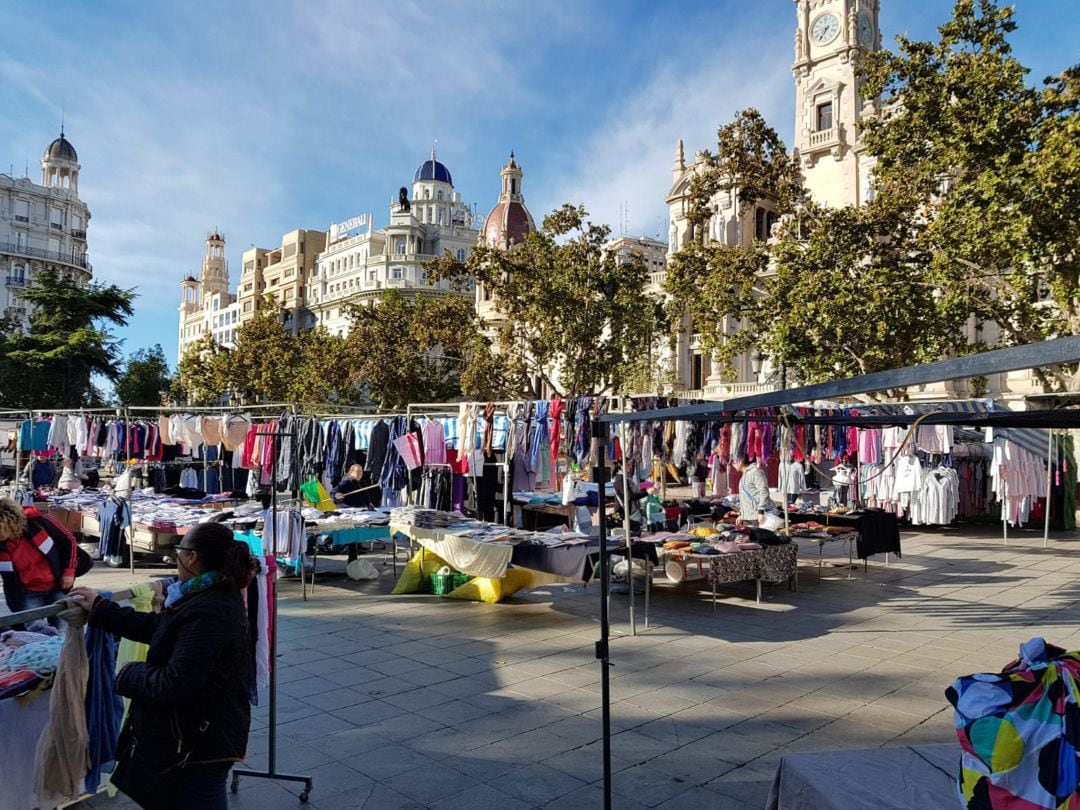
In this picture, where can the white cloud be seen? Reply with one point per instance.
(627, 161)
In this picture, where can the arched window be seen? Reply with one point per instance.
(440, 194)
(18, 273)
(427, 193)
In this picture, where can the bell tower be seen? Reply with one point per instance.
(831, 39)
(215, 271)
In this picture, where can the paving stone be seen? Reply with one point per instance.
(536, 785)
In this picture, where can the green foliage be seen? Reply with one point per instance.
(987, 170)
(202, 374)
(420, 349)
(572, 316)
(976, 210)
(144, 378)
(751, 159)
(847, 296)
(68, 342)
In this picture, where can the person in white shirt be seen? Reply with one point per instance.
(754, 499)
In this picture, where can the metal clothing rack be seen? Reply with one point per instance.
(271, 771)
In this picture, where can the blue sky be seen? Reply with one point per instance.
(260, 117)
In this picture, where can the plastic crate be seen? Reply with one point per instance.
(460, 579)
(442, 584)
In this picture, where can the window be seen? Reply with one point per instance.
(399, 246)
(427, 193)
(696, 372)
(56, 218)
(461, 255)
(760, 224)
(247, 287)
(440, 194)
(18, 274)
(274, 282)
(824, 116)
(395, 273)
(290, 250)
(22, 211)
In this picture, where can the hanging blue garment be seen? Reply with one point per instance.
(394, 475)
(104, 708)
(539, 436)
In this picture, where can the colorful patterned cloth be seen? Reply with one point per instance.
(1020, 732)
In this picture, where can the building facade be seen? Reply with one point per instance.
(42, 226)
(206, 304)
(831, 39)
(359, 263)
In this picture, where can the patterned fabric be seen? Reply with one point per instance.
(178, 590)
(1020, 732)
(771, 564)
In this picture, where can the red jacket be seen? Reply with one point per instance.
(35, 557)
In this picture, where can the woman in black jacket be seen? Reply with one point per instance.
(190, 708)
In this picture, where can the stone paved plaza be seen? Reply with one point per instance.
(418, 701)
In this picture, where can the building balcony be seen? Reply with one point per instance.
(824, 138)
(728, 390)
(78, 234)
(48, 255)
(16, 281)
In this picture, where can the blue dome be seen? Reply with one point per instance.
(433, 170)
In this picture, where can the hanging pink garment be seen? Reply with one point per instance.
(555, 411)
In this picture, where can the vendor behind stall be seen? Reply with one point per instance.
(351, 490)
(754, 499)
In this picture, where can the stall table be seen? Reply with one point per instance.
(878, 531)
(769, 564)
(342, 537)
(922, 776)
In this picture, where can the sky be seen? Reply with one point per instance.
(257, 118)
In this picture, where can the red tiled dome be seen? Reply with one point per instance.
(508, 224)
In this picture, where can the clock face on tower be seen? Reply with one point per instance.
(866, 30)
(825, 29)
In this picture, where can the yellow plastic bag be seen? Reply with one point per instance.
(414, 574)
(483, 589)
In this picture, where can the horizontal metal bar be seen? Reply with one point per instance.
(1016, 358)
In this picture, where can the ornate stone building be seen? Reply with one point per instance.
(358, 265)
(42, 225)
(831, 39)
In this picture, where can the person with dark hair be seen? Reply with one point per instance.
(754, 499)
(190, 710)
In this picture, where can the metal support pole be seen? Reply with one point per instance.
(131, 488)
(626, 523)
(271, 770)
(1049, 485)
(600, 433)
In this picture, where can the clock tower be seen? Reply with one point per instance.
(831, 38)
